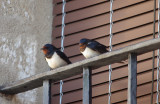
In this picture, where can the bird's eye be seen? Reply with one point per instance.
(45, 47)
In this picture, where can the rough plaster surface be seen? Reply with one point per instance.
(26, 25)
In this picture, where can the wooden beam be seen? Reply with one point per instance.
(87, 85)
(47, 92)
(132, 78)
(77, 68)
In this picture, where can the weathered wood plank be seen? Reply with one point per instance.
(132, 78)
(87, 85)
(77, 68)
(47, 92)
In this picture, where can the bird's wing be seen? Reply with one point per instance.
(96, 46)
(63, 56)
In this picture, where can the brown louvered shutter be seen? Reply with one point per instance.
(133, 23)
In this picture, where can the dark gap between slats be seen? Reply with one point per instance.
(105, 25)
(97, 14)
(108, 35)
(137, 97)
(82, 8)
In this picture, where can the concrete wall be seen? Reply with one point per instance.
(25, 26)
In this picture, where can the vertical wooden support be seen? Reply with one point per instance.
(132, 78)
(87, 86)
(47, 92)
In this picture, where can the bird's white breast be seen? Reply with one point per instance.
(55, 61)
(88, 53)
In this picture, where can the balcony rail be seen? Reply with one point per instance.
(85, 66)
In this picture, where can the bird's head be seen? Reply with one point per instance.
(48, 49)
(83, 43)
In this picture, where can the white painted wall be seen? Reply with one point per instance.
(25, 26)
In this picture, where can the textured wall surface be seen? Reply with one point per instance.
(25, 25)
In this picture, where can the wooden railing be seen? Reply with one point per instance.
(85, 66)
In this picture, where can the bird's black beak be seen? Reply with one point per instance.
(42, 49)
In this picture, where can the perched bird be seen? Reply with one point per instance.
(54, 57)
(90, 48)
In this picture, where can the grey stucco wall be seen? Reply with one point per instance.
(25, 26)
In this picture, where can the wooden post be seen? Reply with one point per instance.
(87, 86)
(47, 92)
(132, 78)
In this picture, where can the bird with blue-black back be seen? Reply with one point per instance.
(54, 57)
(90, 48)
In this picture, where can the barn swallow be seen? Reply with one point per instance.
(54, 57)
(90, 48)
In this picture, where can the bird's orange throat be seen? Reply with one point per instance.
(45, 51)
(82, 48)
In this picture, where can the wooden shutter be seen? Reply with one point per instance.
(133, 23)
